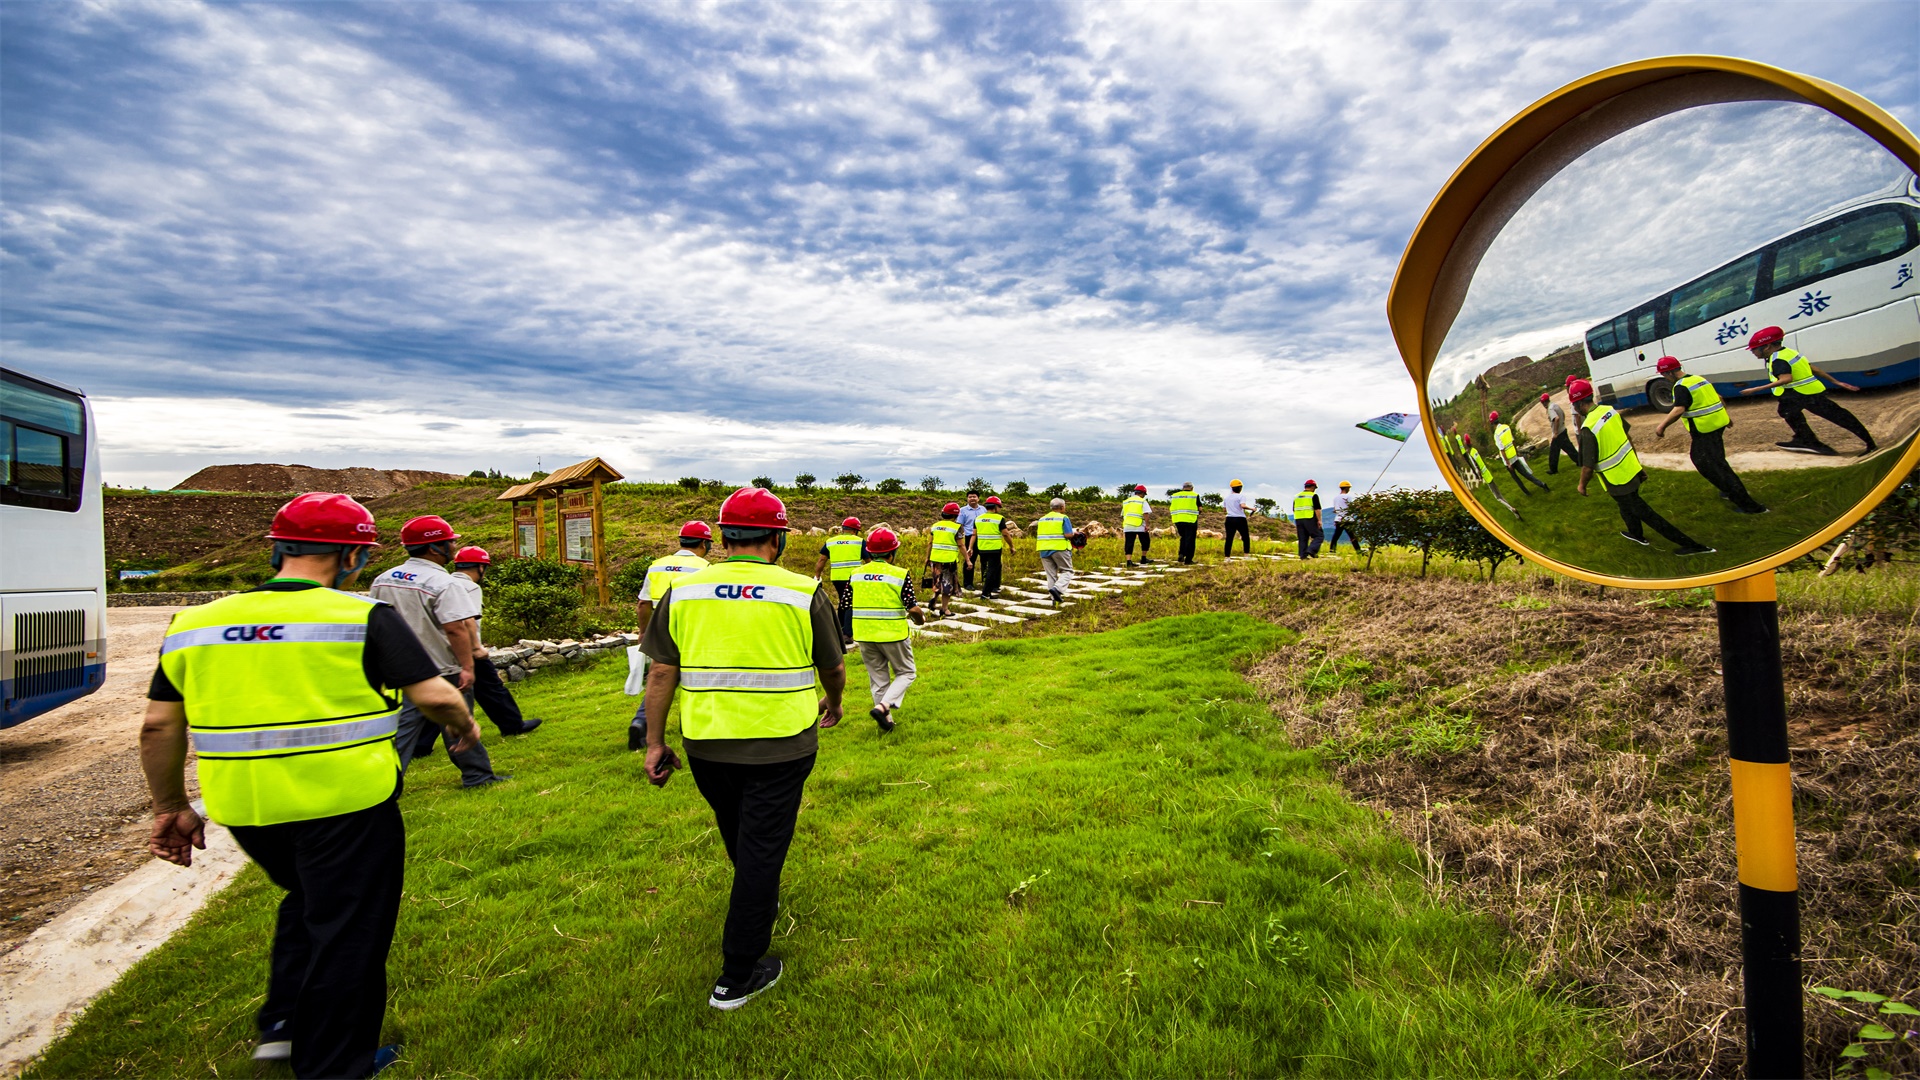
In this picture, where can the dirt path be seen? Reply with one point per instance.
(73, 810)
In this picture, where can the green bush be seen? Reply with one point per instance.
(627, 582)
(1090, 493)
(534, 572)
(533, 611)
(1017, 489)
(892, 485)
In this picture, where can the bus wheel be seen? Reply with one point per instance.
(1660, 394)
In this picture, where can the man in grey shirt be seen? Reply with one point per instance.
(1562, 442)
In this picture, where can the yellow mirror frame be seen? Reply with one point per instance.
(1513, 162)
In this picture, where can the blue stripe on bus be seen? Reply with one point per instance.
(14, 711)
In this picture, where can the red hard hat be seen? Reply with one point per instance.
(1579, 390)
(1571, 379)
(1544, 398)
(321, 517)
(1312, 484)
(431, 529)
(754, 508)
(473, 555)
(1766, 335)
(695, 530)
(850, 523)
(950, 508)
(1139, 489)
(993, 500)
(1666, 364)
(1493, 417)
(881, 541)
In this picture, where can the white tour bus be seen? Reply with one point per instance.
(53, 593)
(1843, 287)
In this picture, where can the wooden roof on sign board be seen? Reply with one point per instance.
(519, 491)
(579, 474)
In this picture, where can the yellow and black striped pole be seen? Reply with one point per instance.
(1749, 616)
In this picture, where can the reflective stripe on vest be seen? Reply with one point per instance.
(1618, 463)
(843, 556)
(1184, 506)
(1133, 513)
(1473, 455)
(1503, 438)
(1050, 533)
(745, 634)
(986, 531)
(1804, 380)
(1303, 506)
(879, 607)
(946, 542)
(275, 690)
(667, 569)
(1709, 413)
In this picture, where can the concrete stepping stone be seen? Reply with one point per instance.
(956, 624)
(1035, 611)
(994, 616)
(921, 631)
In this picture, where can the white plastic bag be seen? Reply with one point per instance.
(636, 671)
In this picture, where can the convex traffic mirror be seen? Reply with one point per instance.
(1689, 284)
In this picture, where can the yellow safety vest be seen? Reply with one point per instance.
(1708, 412)
(667, 569)
(283, 721)
(1133, 513)
(1303, 506)
(1618, 463)
(1503, 440)
(946, 542)
(745, 634)
(1804, 380)
(879, 613)
(1473, 455)
(1050, 533)
(843, 556)
(986, 532)
(1184, 506)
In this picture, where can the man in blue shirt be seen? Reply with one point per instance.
(968, 515)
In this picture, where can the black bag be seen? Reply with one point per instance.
(926, 580)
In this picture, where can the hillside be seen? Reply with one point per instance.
(361, 483)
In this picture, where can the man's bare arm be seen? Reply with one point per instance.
(177, 829)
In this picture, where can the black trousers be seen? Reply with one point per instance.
(989, 571)
(1709, 454)
(1146, 542)
(1635, 512)
(1239, 524)
(1794, 406)
(966, 574)
(1188, 531)
(844, 591)
(1560, 443)
(1307, 535)
(328, 979)
(755, 807)
(492, 695)
(1340, 528)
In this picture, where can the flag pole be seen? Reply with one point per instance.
(1388, 465)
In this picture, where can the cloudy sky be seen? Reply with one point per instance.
(1085, 242)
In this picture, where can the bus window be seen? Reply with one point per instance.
(1600, 340)
(1838, 246)
(43, 431)
(1645, 329)
(1726, 289)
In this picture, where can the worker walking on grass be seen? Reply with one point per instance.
(470, 566)
(1510, 455)
(442, 615)
(943, 558)
(969, 514)
(1798, 386)
(1134, 513)
(1052, 542)
(696, 543)
(1184, 508)
(1340, 523)
(1707, 422)
(883, 602)
(1561, 443)
(288, 691)
(839, 558)
(1607, 449)
(1306, 520)
(1236, 508)
(1477, 466)
(988, 544)
(739, 647)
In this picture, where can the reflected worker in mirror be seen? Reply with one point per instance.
(1478, 466)
(1605, 448)
(1707, 422)
(1557, 420)
(1510, 456)
(1797, 383)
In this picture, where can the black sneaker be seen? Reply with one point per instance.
(529, 725)
(1871, 447)
(1750, 510)
(636, 737)
(731, 995)
(1055, 593)
(880, 717)
(1636, 539)
(1799, 447)
(276, 1043)
(1693, 549)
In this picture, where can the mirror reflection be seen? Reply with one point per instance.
(1692, 348)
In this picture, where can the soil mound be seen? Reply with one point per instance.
(172, 529)
(361, 483)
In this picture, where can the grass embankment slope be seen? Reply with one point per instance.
(1079, 855)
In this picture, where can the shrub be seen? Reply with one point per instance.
(477, 474)
(629, 581)
(930, 484)
(1016, 489)
(765, 483)
(892, 485)
(1055, 491)
(978, 485)
(533, 572)
(847, 481)
(1090, 493)
(1416, 519)
(691, 483)
(533, 611)
(1266, 506)
(804, 482)
(1212, 498)
(716, 485)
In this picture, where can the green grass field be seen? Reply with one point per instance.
(1081, 854)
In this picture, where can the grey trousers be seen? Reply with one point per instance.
(889, 670)
(1058, 566)
(475, 766)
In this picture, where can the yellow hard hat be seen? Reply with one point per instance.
(1346, 483)
(1235, 483)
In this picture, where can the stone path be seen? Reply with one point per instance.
(1027, 598)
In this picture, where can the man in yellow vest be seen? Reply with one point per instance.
(1134, 513)
(839, 558)
(1307, 529)
(739, 649)
(943, 558)
(696, 542)
(1707, 422)
(1479, 473)
(1183, 507)
(989, 542)
(1510, 455)
(1053, 542)
(1607, 449)
(1796, 382)
(291, 695)
(883, 602)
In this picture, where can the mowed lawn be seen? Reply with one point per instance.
(1078, 855)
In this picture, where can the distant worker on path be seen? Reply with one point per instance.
(883, 602)
(1561, 442)
(470, 566)
(1511, 457)
(1707, 423)
(288, 691)
(1051, 535)
(1607, 449)
(1236, 508)
(739, 647)
(1477, 465)
(839, 558)
(1306, 520)
(1797, 383)
(1340, 523)
(442, 615)
(1134, 513)
(1184, 508)
(696, 541)
(969, 514)
(988, 544)
(943, 558)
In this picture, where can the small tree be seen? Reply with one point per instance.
(930, 484)
(1462, 536)
(1016, 488)
(691, 483)
(892, 485)
(847, 481)
(1124, 490)
(1412, 518)
(1266, 506)
(765, 483)
(477, 474)
(979, 486)
(1212, 498)
(1055, 491)
(1090, 493)
(715, 485)
(804, 482)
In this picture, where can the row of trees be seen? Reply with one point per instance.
(1431, 521)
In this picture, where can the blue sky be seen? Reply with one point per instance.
(1089, 243)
